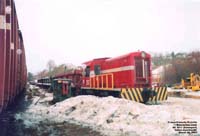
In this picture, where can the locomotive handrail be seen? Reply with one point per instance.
(96, 80)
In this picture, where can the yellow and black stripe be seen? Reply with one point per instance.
(161, 94)
(133, 94)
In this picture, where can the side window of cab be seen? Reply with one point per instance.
(97, 69)
(87, 71)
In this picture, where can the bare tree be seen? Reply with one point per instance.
(51, 65)
(178, 65)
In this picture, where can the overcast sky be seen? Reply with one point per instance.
(75, 31)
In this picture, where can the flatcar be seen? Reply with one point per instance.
(74, 76)
(44, 82)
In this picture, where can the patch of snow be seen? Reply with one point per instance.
(114, 116)
(197, 93)
(176, 90)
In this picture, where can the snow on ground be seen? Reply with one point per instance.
(176, 90)
(114, 116)
(183, 93)
(193, 93)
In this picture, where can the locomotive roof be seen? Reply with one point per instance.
(97, 59)
(126, 55)
(119, 57)
(115, 58)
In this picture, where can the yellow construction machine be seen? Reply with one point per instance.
(192, 82)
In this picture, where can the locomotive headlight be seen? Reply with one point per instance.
(143, 54)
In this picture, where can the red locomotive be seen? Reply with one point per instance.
(128, 71)
(128, 76)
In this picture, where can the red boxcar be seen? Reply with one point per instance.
(13, 72)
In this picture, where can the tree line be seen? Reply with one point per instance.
(177, 65)
(51, 70)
